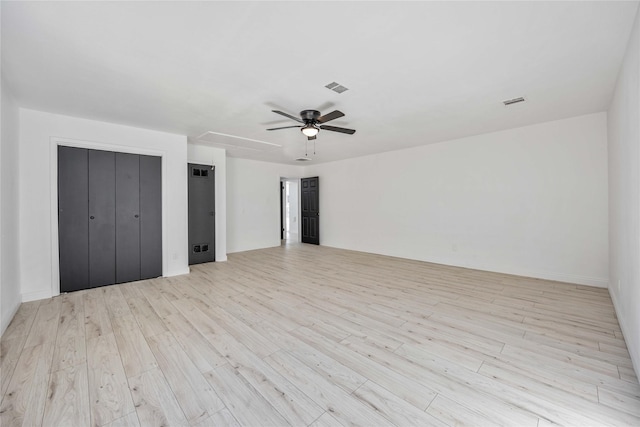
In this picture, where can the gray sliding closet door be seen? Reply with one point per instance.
(102, 218)
(73, 218)
(127, 217)
(150, 217)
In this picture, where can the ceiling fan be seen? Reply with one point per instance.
(312, 122)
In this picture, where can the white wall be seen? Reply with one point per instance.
(9, 218)
(39, 135)
(253, 203)
(624, 196)
(204, 155)
(530, 201)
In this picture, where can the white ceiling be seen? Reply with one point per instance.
(417, 72)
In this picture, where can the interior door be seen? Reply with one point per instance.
(310, 192)
(282, 210)
(109, 217)
(127, 217)
(73, 218)
(202, 231)
(150, 217)
(102, 218)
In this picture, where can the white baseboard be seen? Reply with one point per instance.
(576, 279)
(8, 316)
(275, 245)
(633, 352)
(178, 272)
(599, 282)
(33, 296)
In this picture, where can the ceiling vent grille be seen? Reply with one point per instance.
(336, 87)
(303, 159)
(513, 101)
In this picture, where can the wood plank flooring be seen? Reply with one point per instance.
(313, 336)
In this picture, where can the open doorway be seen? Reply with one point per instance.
(290, 210)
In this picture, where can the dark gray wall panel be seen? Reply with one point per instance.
(102, 218)
(201, 214)
(127, 217)
(150, 217)
(73, 218)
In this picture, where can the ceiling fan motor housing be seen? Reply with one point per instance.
(309, 116)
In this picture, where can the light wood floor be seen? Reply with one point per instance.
(304, 335)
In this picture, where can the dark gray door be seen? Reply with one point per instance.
(102, 218)
(73, 218)
(201, 214)
(150, 217)
(127, 217)
(310, 191)
(110, 217)
(282, 210)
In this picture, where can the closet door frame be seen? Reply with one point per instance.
(53, 179)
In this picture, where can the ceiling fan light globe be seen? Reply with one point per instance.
(310, 130)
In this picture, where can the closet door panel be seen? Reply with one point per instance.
(127, 217)
(150, 217)
(102, 218)
(73, 218)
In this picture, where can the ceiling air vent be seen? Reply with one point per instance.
(303, 159)
(336, 87)
(513, 101)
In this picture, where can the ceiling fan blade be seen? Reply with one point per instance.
(330, 116)
(337, 129)
(297, 119)
(311, 138)
(285, 127)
